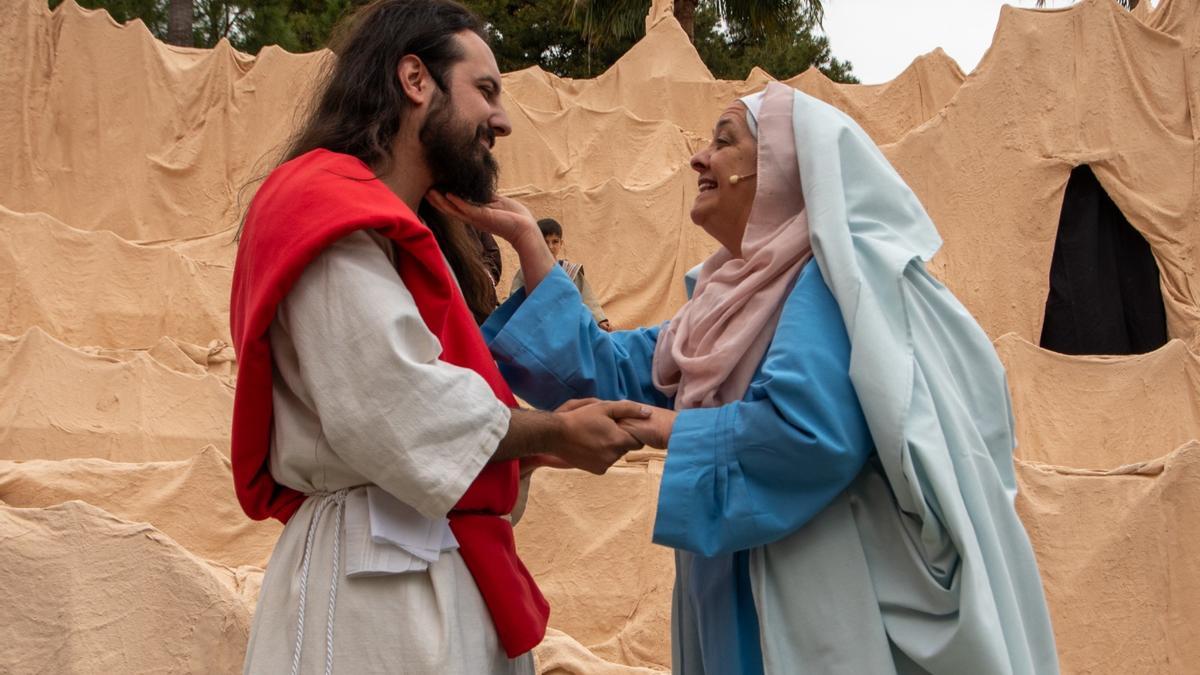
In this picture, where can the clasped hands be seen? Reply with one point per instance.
(594, 433)
(597, 433)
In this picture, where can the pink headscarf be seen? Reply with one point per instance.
(711, 349)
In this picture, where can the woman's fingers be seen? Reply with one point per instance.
(575, 404)
(506, 222)
(501, 207)
(439, 202)
(455, 206)
(622, 409)
(512, 205)
(645, 431)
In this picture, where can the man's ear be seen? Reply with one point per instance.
(415, 80)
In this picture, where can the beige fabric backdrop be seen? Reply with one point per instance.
(123, 163)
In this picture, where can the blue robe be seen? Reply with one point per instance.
(737, 477)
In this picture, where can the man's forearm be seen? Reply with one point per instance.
(530, 432)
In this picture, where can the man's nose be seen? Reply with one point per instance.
(500, 124)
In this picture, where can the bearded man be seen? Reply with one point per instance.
(369, 415)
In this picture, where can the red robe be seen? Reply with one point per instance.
(303, 207)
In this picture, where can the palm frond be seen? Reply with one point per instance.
(768, 17)
(602, 21)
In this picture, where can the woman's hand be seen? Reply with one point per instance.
(593, 438)
(508, 219)
(503, 217)
(550, 460)
(654, 430)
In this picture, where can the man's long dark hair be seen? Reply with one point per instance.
(359, 106)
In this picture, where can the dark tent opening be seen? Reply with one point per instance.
(1104, 292)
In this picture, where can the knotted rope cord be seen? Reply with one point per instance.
(338, 500)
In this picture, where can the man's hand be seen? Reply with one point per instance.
(653, 430)
(530, 463)
(581, 434)
(592, 438)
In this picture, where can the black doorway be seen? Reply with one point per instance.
(1104, 292)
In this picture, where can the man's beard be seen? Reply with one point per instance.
(460, 163)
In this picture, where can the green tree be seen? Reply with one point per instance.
(730, 41)
(602, 20)
(731, 49)
(566, 37)
(180, 17)
(523, 32)
(295, 25)
(152, 12)
(528, 32)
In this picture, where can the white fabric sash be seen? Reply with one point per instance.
(386, 536)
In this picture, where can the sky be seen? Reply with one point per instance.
(881, 37)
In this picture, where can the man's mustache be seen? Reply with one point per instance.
(486, 133)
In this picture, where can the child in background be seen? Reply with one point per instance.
(553, 234)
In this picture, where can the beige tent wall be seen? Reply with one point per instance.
(190, 500)
(60, 402)
(125, 167)
(890, 110)
(1099, 412)
(95, 288)
(108, 128)
(90, 592)
(1118, 552)
(608, 588)
(1088, 84)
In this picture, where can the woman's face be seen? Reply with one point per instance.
(722, 208)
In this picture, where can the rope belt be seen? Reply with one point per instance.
(338, 501)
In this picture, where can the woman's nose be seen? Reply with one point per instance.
(699, 161)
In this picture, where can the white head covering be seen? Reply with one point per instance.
(753, 104)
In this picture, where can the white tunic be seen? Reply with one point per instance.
(360, 398)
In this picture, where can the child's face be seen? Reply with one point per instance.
(554, 243)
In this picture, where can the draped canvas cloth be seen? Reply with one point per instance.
(922, 564)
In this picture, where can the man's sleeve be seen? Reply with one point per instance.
(417, 427)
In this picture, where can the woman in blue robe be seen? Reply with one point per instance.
(838, 485)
